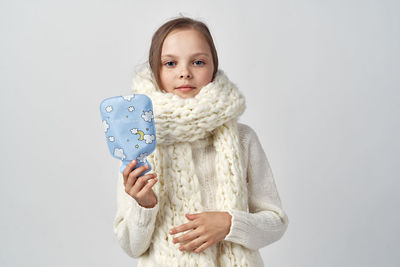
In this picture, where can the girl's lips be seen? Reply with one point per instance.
(185, 89)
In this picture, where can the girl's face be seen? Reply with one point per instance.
(186, 63)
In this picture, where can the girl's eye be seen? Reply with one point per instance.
(169, 64)
(198, 63)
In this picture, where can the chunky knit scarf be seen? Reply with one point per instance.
(212, 112)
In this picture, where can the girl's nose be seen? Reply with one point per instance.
(187, 75)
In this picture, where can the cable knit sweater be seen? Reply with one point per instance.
(264, 223)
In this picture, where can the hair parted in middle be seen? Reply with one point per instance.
(162, 32)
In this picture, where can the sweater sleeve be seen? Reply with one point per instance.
(133, 224)
(266, 221)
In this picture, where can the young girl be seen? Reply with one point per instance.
(212, 199)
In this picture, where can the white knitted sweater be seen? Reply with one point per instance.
(264, 223)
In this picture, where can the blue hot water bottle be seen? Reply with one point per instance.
(128, 123)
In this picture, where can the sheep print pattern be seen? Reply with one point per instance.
(179, 121)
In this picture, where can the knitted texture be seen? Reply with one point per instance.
(213, 111)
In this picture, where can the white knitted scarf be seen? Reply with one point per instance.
(213, 111)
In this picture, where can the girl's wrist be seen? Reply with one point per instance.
(148, 206)
(229, 222)
(229, 216)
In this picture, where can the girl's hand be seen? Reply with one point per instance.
(207, 228)
(139, 188)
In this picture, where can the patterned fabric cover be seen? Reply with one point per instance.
(128, 123)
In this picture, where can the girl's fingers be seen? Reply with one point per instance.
(133, 177)
(127, 170)
(195, 234)
(141, 182)
(138, 171)
(193, 243)
(149, 185)
(183, 228)
(202, 247)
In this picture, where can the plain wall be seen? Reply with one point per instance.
(321, 80)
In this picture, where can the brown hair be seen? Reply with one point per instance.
(162, 32)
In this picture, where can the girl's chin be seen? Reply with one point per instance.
(189, 94)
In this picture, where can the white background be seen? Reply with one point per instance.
(321, 79)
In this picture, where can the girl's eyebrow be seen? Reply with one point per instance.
(194, 55)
